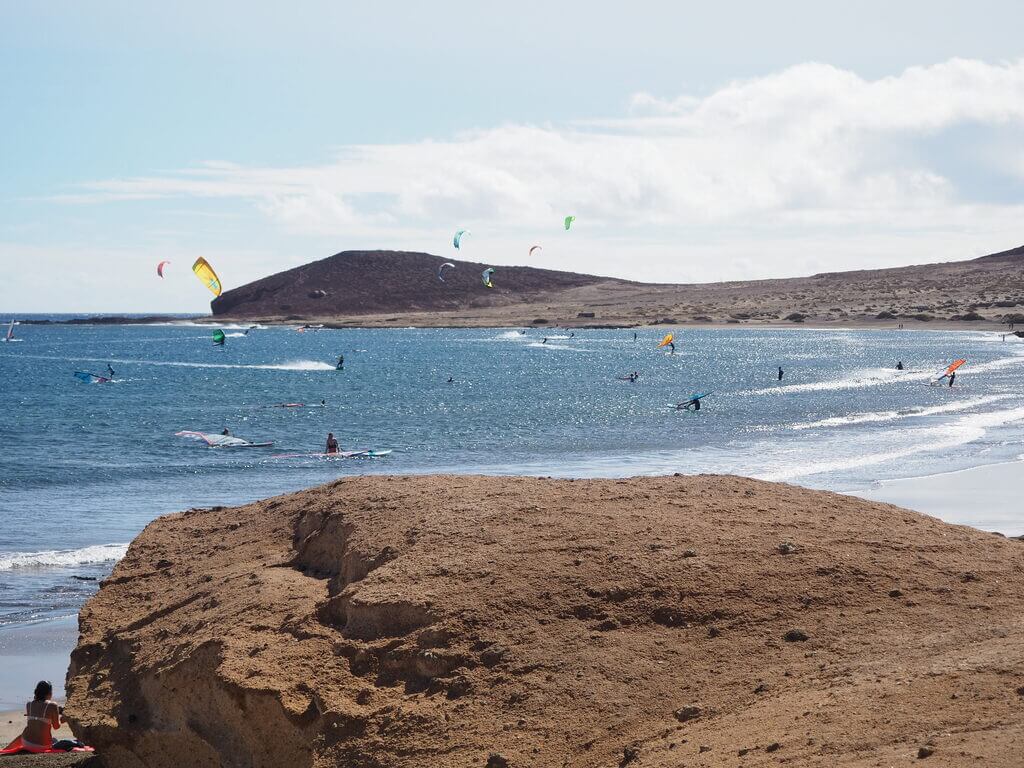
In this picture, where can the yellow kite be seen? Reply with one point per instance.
(205, 273)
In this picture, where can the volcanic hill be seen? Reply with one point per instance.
(396, 288)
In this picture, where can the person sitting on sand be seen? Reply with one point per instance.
(332, 444)
(44, 717)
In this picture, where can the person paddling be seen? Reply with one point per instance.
(332, 444)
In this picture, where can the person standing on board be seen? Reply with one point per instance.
(952, 378)
(781, 374)
(332, 444)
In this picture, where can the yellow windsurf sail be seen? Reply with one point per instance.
(666, 341)
(205, 273)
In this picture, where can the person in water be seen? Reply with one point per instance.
(341, 363)
(44, 717)
(781, 374)
(952, 378)
(226, 432)
(110, 370)
(693, 404)
(899, 365)
(672, 346)
(332, 444)
(634, 335)
(545, 340)
(451, 380)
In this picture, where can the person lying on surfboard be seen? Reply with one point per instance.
(332, 444)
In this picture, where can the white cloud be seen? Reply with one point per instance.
(811, 154)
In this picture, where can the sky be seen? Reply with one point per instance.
(693, 141)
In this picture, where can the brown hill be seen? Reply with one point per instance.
(403, 622)
(364, 282)
(381, 288)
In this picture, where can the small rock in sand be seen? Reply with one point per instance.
(787, 548)
(923, 752)
(795, 636)
(495, 760)
(629, 754)
(689, 712)
(689, 553)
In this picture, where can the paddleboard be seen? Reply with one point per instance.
(369, 453)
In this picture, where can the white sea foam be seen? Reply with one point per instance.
(63, 558)
(881, 416)
(964, 430)
(294, 365)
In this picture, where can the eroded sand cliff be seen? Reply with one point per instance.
(472, 621)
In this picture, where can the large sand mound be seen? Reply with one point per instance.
(472, 621)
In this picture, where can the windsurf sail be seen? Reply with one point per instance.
(218, 337)
(90, 378)
(206, 274)
(949, 370)
(220, 441)
(9, 336)
(665, 341)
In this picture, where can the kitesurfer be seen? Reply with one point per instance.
(332, 444)
(781, 374)
(341, 363)
(952, 378)
(899, 365)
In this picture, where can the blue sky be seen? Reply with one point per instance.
(694, 143)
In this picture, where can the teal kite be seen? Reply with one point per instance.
(458, 236)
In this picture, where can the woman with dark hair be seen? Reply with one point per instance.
(43, 716)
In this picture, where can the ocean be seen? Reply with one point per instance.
(86, 466)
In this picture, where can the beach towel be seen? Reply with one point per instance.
(18, 747)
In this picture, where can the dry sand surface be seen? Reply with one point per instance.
(480, 621)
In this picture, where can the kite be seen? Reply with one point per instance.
(568, 221)
(458, 236)
(160, 268)
(534, 248)
(440, 270)
(205, 273)
(487, 277)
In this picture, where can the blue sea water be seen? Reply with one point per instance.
(84, 467)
